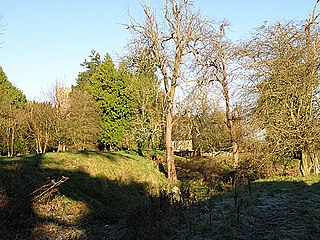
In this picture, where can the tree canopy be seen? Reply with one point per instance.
(284, 69)
(12, 100)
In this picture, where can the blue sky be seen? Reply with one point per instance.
(45, 41)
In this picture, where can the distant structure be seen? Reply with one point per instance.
(183, 147)
(62, 104)
(62, 98)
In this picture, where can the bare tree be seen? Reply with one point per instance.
(215, 61)
(9, 123)
(41, 121)
(200, 118)
(283, 68)
(82, 120)
(170, 41)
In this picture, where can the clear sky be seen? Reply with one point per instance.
(45, 41)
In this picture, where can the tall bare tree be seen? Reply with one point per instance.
(215, 61)
(82, 120)
(170, 39)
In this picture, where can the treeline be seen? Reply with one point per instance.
(130, 101)
(268, 86)
(257, 99)
(28, 127)
(109, 108)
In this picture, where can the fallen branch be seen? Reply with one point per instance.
(48, 187)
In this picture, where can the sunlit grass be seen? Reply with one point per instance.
(61, 209)
(98, 186)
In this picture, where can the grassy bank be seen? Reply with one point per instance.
(73, 194)
(94, 195)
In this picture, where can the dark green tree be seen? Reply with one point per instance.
(12, 101)
(109, 87)
(147, 120)
(91, 67)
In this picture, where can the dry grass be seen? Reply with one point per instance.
(99, 190)
(61, 208)
(54, 231)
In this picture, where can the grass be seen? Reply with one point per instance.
(273, 208)
(73, 193)
(276, 208)
(95, 195)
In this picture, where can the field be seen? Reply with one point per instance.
(94, 195)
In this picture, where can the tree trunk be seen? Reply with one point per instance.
(12, 141)
(172, 175)
(60, 147)
(38, 143)
(235, 154)
(229, 119)
(315, 163)
(304, 165)
(8, 142)
(46, 141)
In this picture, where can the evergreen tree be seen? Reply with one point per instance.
(146, 123)
(109, 87)
(12, 100)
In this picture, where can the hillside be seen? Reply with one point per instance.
(94, 195)
(72, 195)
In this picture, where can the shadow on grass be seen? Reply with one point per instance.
(279, 209)
(37, 203)
(33, 205)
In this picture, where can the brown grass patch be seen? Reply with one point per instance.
(60, 208)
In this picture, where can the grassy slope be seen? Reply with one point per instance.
(100, 189)
(103, 187)
(279, 208)
(276, 208)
